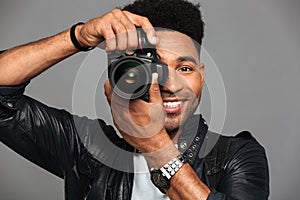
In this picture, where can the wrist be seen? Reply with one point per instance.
(162, 176)
(159, 157)
(76, 38)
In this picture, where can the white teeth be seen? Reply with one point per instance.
(172, 104)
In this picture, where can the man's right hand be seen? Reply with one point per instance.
(115, 31)
(117, 28)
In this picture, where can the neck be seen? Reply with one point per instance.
(174, 134)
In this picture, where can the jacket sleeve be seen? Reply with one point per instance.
(246, 174)
(41, 134)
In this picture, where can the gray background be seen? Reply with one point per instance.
(254, 43)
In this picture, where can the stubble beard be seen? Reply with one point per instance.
(173, 123)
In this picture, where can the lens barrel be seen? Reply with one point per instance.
(130, 76)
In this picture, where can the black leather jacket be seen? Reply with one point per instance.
(77, 149)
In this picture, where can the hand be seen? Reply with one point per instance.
(117, 28)
(140, 123)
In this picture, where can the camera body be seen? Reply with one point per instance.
(130, 76)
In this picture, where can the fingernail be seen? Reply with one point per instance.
(154, 77)
(129, 52)
(153, 39)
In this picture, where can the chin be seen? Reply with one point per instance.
(173, 122)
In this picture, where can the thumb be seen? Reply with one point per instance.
(154, 91)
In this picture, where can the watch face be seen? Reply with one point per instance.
(159, 180)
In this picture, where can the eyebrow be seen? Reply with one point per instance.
(186, 58)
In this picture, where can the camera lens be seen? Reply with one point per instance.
(130, 78)
(131, 75)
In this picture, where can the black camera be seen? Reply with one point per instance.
(130, 75)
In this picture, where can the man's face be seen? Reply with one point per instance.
(182, 92)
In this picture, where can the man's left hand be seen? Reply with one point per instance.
(141, 123)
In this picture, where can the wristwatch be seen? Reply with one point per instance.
(161, 177)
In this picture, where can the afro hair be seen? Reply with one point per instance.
(177, 15)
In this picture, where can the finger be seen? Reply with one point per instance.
(132, 39)
(154, 91)
(110, 39)
(121, 35)
(105, 34)
(145, 24)
(129, 40)
(150, 32)
(112, 97)
(137, 105)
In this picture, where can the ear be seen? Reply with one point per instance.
(201, 70)
(108, 91)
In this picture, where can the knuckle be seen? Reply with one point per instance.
(145, 19)
(106, 28)
(154, 88)
(110, 14)
(116, 11)
(120, 29)
(130, 26)
(108, 34)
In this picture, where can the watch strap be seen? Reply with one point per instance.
(161, 176)
(169, 169)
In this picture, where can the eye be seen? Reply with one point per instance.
(185, 68)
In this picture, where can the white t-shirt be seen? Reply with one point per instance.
(143, 188)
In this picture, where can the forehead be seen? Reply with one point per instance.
(175, 44)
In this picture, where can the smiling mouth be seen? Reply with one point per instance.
(172, 107)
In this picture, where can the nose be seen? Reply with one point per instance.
(174, 82)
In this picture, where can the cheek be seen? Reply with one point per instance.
(196, 85)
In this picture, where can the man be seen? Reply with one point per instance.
(163, 129)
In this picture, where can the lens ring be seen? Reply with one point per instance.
(130, 77)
